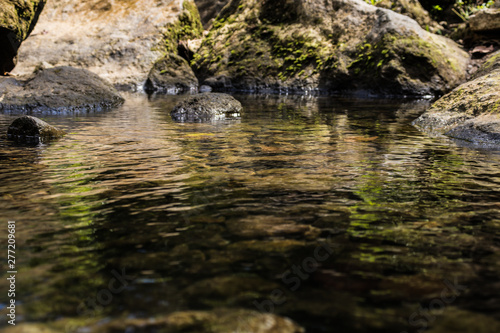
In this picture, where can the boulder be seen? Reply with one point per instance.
(413, 9)
(32, 130)
(344, 46)
(59, 89)
(118, 40)
(17, 20)
(172, 75)
(209, 9)
(206, 107)
(486, 20)
(471, 111)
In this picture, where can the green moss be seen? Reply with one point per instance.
(187, 27)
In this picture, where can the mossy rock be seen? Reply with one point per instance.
(336, 46)
(32, 130)
(471, 112)
(206, 107)
(17, 20)
(171, 74)
(59, 89)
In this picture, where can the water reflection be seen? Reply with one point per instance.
(205, 216)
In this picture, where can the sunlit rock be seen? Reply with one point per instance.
(344, 46)
(58, 90)
(17, 20)
(32, 130)
(206, 107)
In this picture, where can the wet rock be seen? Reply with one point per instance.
(344, 46)
(486, 20)
(172, 75)
(471, 111)
(118, 40)
(59, 89)
(206, 107)
(32, 130)
(17, 20)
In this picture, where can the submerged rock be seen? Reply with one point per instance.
(59, 89)
(118, 40)
(32, 130)
(206, 107)
(172, 75)
(337, 46)
(219, 320)
(471, 111)
(17, 20)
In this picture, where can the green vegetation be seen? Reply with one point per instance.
(464, 9)
(187, 27)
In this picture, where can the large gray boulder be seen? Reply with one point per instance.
(337, 46)
(32, 130)
(471, 111)
(118, 40)
(17, 20)
(206, 107)
(60, 89)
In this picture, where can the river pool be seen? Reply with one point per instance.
(336, 213)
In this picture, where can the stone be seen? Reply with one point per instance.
(413, 9)
(30, 129)
(118, 40)
(486, 20)
(206, 107)
(17, 20)
(209, 9)
(345, 46)
(58, 89)
(471, 112)
(172, 75)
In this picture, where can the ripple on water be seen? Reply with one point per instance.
(218, 215)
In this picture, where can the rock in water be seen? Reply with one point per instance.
(344, 46)
(206, 107)
(471, 112)
(172, 75)
(59, 89)
(29, 129)
(17, 20)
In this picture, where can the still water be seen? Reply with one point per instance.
(335, 213)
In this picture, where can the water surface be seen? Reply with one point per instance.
(205, 216)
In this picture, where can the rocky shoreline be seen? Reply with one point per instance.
(348, 47)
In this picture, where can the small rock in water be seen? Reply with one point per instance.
(30, 129)
(206, 107)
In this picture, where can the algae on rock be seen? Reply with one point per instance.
(17, 20)
(336, 46)
(471, 111)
